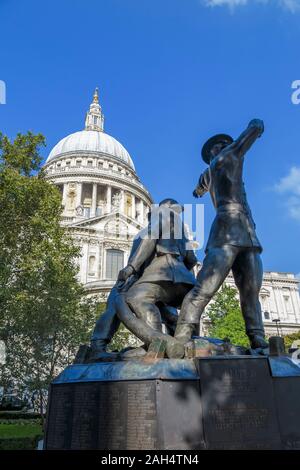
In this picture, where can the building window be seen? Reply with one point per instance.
(267, 315)
(78, 162)
(288, 304)
(114, 263)
(92, 266)
(90, 163)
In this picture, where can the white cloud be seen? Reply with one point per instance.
(289, 185)
(229, 3)
(291, 5)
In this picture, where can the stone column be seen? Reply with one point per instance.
(64, 196)
(296, 303)
(84, 262)
(133, 206)
(122, 202)
(293, 305)
(141, 212)
(108, 199)
(101, 264)
(78, 194)
(94, 200)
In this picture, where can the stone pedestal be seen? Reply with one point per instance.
(233, 402)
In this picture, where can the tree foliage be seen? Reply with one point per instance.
(44, 313)
(226, 319)
(289, 339)
(123, 339)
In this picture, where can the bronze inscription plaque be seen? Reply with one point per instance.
(102, 415)
(238, 404)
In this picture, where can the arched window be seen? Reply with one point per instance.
(114, 262)
(92, 266)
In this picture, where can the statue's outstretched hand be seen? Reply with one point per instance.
(195, 193)
(125, 273)
(259, 124)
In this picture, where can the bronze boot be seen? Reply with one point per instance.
(98, 352)
(258, 341)
(184, 332)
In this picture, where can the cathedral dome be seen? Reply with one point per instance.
(92, 139)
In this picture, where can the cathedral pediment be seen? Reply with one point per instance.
(113, 222)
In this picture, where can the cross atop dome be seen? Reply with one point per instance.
(94, 120)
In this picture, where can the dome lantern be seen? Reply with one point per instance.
(94, 120)
(92, 140)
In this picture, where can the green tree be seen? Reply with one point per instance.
(226, 320)
(44, 312)
(289, 339)
(123, 339)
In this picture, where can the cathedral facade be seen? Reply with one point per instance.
(105, 205)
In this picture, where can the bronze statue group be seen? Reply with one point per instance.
(159, 281)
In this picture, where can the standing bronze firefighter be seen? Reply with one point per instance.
(232, 243)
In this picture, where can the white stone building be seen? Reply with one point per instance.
(280, 303)
(104, 202)
(105, 205)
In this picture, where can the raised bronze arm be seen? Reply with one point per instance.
(248, 137)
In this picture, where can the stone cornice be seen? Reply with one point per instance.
(266, 323)
(88, 154)
(281, 324)
(81, 235)
(271, 281)
(108, 216)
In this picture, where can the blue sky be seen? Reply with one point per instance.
(171, 73)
